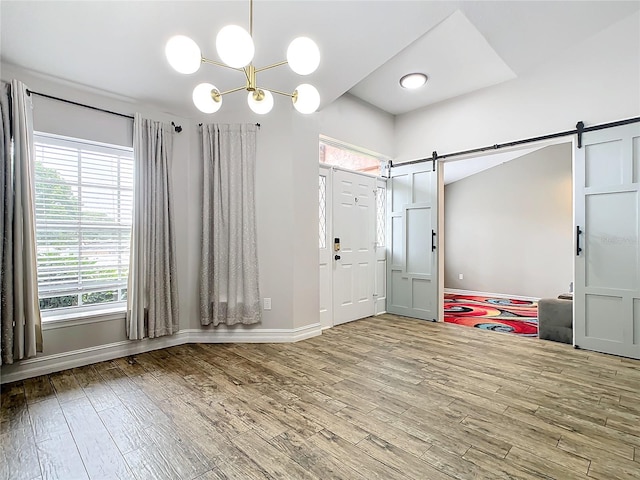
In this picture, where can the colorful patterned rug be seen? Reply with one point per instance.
(492, 313)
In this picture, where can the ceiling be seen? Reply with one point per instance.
(366, 46)
(455, 170)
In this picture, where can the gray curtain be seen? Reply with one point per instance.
(229, 291)
(20, 309)
(152, 294)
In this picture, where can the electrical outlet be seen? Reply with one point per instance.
(267, 303)
(460, 276)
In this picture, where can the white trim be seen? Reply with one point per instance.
(364, 174)
(239, 334)
(349, 146)
(83, 318)
(46, 364)
(489, 294)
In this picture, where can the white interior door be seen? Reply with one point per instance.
(412, 279)
(325, 249)
(607, 262)
(354, 245)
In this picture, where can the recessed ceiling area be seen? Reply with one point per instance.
(454, 45)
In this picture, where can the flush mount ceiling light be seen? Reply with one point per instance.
(412, 81)
(235, 48)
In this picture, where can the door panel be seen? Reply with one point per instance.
(354, 224)
(419, 258)
(607, 213)
(603, 164)
(412, 280)
(611, 260)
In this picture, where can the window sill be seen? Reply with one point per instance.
(71, 319)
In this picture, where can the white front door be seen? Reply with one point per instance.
(412, 279)
(353, 246)
(607, 262)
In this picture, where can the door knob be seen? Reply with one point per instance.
(337, 257)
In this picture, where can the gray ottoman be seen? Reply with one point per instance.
(555, 320)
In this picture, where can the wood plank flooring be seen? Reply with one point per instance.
(381, 398)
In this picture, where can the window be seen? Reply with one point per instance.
(322, 213)
(381, 215)
(350, 158)
(84, 203)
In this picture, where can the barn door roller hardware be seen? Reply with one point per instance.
(579, 130)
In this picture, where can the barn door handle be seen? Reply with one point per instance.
(433, 240)
(578, 233)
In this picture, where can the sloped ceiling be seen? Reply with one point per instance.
(455, 170)
(366, 46)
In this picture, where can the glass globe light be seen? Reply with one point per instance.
(207, 98)
(183, 54)
(235, 46)
(303, 56)
(306, 98)
(260, 101)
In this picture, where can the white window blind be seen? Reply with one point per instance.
(84, 197)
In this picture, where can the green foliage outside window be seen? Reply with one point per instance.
(57, 197)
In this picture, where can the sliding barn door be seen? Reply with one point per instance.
(412, 275)
(607, 262)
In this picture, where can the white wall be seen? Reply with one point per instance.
(598, 81)
(56, 117)
(357, 123)
(286, 195)
(509, 229)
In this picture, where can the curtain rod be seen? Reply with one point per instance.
(177, 128)
(257, 125)
(580, 129)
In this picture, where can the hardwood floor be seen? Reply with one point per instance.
(380, 398)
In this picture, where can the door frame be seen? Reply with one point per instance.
(570, 139)
(327, 314)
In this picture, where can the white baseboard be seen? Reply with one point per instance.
(223, 334)
(46, 364)
(489, 294)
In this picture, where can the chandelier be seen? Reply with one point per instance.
(235, 48)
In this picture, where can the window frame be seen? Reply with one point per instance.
(383, 161)
(88, 313)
